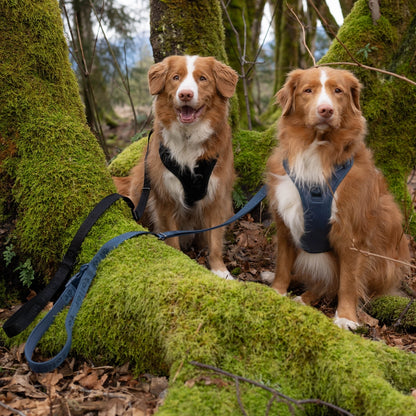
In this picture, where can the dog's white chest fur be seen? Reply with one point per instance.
(185, 145)
(306, 169)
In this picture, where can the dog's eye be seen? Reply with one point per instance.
(308, 90)
(175, 77)
(202, 78)
(338, 91)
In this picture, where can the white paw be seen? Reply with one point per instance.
(298, 299)
(267, 277)
(224, 274)
(281, 294)
(345, 323)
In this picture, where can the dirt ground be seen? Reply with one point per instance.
(79, 388)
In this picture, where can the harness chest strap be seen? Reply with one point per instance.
(195, 182)
(317, 204)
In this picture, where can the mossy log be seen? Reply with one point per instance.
(149, 304)
(396, 311)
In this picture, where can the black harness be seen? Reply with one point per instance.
(317, 203)
(194, 182)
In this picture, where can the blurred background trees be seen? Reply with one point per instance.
(112, 45)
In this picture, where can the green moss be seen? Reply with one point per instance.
(389, 309)
(174, 311)
(128, 158)
(153, 306)
(180, 29)
(251, 151)
(57, 164)
(387, 102)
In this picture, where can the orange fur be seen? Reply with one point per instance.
(364, 215)
(205, 137)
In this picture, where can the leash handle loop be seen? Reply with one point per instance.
(28, 311)
(75, 290)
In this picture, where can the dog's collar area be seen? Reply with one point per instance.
(317, 204)
(195, 182)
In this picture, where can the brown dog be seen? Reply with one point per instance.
(328, 199)
(190, 161)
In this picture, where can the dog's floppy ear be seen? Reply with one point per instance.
(157, 77)
(355, 88)
(286, 95)
(226, 79)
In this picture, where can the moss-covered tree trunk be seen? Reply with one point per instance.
(149, 304)
(388, 102)
(189, 27)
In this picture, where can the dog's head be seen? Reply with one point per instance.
(189, 85)
(320, 98)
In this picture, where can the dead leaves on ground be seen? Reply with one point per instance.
(102, 391)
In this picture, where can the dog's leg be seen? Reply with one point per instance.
(165, 222)
(346, 314)
(286, 253)
(216, 263)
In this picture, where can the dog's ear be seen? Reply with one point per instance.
(225, 78)
(355, 88)
(157, 77)
(286, 95)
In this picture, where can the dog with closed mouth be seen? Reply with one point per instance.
(190, 159)
(329, 201)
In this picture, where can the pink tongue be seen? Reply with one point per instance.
(187, 114)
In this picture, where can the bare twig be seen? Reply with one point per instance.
(403, 314)
(11, 409)
(123, 80)
(303, 34)
(355, 61)
(371, 68)
(324, 22)
(370, 254)
(243, 75)
(276, 395)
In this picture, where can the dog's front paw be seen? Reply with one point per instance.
(224, 274)
(345, 323)
(267, 277)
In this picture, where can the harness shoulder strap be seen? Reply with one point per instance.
(317, 205)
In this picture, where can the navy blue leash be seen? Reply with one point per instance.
(78, 285)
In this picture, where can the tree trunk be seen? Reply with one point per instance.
(189, 28)
(387, 102)
(149, 304)
(177, 28)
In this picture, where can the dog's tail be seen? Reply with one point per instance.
(122, 185)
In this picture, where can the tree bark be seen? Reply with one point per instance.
(149, 304)
(387, 101)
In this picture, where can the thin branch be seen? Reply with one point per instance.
(125, 83)
(403, 314)
(303, 34)
(382, 71)
(370, 254)
(11, 409)
(285, 399)
(243, 75)
(324, 22)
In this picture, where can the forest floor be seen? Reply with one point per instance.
(79, 388)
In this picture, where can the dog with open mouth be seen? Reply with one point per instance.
(190, 159)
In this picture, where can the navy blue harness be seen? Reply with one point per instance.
(317, 204)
